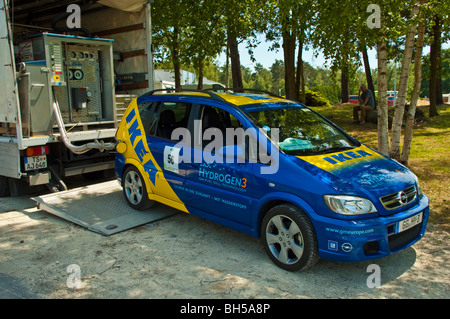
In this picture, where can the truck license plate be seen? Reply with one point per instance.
(409, 222)
(35, 162)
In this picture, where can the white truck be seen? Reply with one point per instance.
(63, 89)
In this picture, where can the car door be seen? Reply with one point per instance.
(170, 175)
(219, 188)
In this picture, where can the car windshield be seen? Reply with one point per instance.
(301, 131)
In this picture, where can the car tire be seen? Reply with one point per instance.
(134, 189)
(289, 238)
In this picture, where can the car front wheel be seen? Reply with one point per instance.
(134, 189)
(289, 238)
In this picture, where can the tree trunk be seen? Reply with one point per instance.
(289, 65)
(383, 135)
(177, 74)
(176, 68)
(434, 66)
(200, 75)
(345, 89)
(300, 78)
(415, 96)
(236, 72)
(394, 151)
(176, 59)
(368, 72)
(227, 68)
(439, 98)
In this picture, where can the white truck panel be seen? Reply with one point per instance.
(8, 102)
(24, 124)
(9, 164)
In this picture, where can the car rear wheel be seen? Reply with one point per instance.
(289, 238)
(134, 189)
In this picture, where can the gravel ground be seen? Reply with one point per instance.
(184, 256)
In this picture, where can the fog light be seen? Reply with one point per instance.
(371, 248)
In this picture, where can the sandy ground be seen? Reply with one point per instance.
(186, 257)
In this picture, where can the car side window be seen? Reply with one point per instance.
(171, 115)
(146, 111)
(221, 125)
(154, 120)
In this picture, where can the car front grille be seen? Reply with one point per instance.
(399, 199)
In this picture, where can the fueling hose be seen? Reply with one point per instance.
(77, 149)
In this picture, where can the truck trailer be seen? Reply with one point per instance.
(65, 87)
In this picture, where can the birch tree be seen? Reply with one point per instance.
(415, 96)
(382, 123)
(394, 150)
(393, 26)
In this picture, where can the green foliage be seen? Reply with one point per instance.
(192, 33)
(261, 79)
(315, 99)
(391, 78)
(445, 73)
(323, 86)
(195, 31)
(169, 25)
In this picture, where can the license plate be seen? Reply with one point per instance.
(409, 222)
(35, 162)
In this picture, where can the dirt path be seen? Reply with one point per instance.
(187, 257)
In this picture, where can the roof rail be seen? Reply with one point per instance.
(244, 90)
(211, 94)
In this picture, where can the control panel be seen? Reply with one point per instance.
(57, 64)
(80, 74)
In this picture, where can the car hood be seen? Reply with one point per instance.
(361, 171)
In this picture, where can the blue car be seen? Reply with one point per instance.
(271, 168)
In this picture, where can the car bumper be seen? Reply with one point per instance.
(371, 238)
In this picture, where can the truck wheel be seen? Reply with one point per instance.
(289, 238)
(134, 189)
(4, 186)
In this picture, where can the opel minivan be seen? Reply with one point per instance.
(271, 168)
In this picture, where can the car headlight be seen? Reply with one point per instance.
(419, 190)
(349, 205)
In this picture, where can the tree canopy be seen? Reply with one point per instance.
(193, 32)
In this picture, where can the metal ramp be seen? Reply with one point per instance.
(100, 208)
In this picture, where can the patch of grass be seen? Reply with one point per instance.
(429, 158)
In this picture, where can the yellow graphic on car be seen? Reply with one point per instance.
(338, 160)
(137, 153)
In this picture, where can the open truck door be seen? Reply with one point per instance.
(9, 114)
(64, 92)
